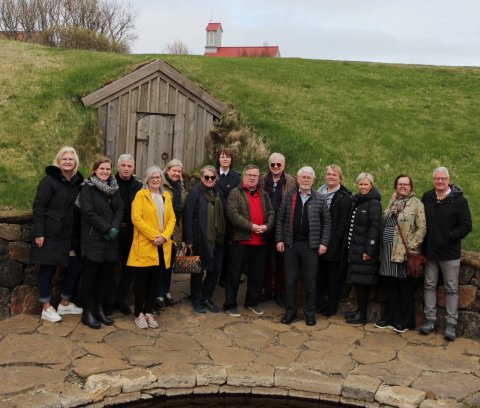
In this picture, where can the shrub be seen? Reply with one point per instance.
(232, 131)
(80, 38)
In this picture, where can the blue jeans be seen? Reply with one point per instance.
(70, 278)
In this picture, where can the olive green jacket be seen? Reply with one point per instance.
(238, 213)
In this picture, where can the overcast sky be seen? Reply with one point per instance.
(436, 32)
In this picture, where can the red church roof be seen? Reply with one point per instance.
(213, 26)
(232, 52)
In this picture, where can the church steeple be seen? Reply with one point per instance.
(214, 37)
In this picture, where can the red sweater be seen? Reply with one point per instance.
(256, 216)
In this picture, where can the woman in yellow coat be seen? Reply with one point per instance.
(153, 223)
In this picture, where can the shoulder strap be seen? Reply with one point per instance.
(403, 240)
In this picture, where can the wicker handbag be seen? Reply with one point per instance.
(415, 262)
(187, 263)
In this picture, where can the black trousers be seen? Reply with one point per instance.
(362, 298)
(252, 257)
(201, 287)
(126, 272)
(399, 306)
(300, 261)
(329, 284)
(97, 279)
(147, 280)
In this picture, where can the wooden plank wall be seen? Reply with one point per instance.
(117, 118)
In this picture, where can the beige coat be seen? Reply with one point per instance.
(412, 223)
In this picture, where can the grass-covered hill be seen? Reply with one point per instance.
(381, 118)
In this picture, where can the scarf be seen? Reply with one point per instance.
(215, 217)
(397, 204)
(275, 192)
(159, 206)
(109, 187)
(176, 196)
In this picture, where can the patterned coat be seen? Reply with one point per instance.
(411, 221)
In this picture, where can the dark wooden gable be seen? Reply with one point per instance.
(156, 114)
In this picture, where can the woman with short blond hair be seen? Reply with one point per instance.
(56, 241)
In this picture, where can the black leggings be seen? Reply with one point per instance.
(362, 298)
(147, 280)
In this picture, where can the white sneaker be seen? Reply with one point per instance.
(71, 308)
(151, 320)
(51, 315)
(141, 321)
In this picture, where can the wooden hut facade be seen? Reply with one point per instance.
(156, 114)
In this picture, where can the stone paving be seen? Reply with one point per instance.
(44, 364)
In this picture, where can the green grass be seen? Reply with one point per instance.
(381, 118)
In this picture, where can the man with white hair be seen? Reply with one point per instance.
(128, 186)
(302, 233)
(448, 222)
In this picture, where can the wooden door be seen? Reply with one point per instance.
(153, 141)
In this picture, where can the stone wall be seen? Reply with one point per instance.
(19, 292)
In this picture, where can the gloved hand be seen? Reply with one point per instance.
(111, 234)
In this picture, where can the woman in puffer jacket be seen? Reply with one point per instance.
(363, 239)
(102, 212)
(55, 238)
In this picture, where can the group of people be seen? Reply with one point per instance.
(90, 227)
(274, 228)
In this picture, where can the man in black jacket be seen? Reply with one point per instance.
(448, 222)
(303, 233)
(128, 186)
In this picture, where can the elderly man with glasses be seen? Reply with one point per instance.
(303, 230)
(448, 222)
(276, 183)
(252, 216)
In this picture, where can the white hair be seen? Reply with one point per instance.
(306, 169)
(441, 170)
(150, 171)
(367, 176)
(126, 157)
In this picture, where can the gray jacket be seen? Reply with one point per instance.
(320, 223)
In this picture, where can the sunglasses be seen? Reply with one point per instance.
(209, 178)
(273, 165)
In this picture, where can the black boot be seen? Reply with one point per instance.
(89, 320)
(100, 315)
(359, 318)
(351, 313)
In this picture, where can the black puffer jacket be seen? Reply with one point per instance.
(53, 217)
(318, 218)
(340, 208)
(448, 222)
(364, 237)
(100, 212)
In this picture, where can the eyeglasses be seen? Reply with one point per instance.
(403, 184)
(252, 175)
(273, 165)
(207, 178)
(440, 178)
(155, 178)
